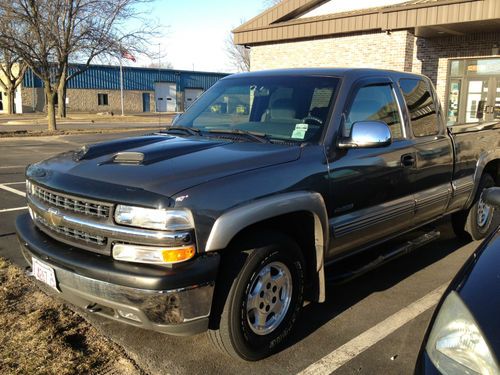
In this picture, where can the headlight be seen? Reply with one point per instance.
(456, 343)
(153, 255)
(153, 219)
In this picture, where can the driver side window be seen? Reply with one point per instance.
(375, 103)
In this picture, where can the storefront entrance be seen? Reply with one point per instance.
(474, 91)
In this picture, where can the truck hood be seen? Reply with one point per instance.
(162, 165)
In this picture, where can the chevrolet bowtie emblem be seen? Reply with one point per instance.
(54, 217)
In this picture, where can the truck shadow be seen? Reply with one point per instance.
(341, 297)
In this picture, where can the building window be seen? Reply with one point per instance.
(421, 107)
(102, 99)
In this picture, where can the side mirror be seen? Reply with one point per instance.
(491, 197)
(367, 134)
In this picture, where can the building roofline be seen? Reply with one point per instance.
(412, 14)
(281, 11)
(148, 68)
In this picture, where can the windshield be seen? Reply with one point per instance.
(289, 108)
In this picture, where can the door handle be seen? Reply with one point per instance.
(407, 160)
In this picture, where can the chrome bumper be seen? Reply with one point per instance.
(176, 302)
(183, 311)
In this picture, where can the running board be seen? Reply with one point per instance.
(395, 253)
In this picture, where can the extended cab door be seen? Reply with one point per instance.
(432, 168)
(371, 189)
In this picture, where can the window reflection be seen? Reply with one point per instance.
(421, 106)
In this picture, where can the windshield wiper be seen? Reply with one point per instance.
(260, 137)
(184, 129)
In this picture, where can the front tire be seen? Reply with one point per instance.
(264, 300)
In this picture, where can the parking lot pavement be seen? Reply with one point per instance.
(374, 324)
(81, 127)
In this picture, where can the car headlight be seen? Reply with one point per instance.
(456, 343)
(154, 218)
(153, 255)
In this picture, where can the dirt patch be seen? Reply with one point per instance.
(39, 335)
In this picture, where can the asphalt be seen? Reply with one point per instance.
(350, 310)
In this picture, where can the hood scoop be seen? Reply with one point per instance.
(129, 157)
(89, 152)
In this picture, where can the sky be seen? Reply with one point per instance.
(194, 31)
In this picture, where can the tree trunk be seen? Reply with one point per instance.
(51, 108)
(61, 101)
(11, 96)
(61, 94)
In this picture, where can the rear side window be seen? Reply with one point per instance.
(421, 107)
(375, 103)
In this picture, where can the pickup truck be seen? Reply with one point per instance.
(225, 221)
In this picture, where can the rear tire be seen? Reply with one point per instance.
(265, 297)
(481, 219)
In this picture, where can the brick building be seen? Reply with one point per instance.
(97, 89)
(454, 42)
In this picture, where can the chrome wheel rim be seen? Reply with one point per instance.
(483, 212)
(268, 298)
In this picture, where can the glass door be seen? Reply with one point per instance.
(482, 101)
(494, 109)
(476, 101)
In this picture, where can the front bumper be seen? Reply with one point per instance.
(173, 300)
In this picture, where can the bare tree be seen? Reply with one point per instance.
(239, 56)
(161, 65)
(13, 70)
(99, 33)
(48, 34)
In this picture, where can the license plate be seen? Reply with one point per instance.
(44, 273)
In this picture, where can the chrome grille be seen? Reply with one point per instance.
(74, 233)
(72, 204)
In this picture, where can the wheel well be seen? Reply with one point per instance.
(299, 226)
(493, 168)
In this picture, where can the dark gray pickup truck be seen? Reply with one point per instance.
(226, 220)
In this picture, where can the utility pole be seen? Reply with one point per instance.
(121, 85)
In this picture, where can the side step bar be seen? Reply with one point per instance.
(392, 254)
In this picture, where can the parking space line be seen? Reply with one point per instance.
(14, 209)
(12, 166)
(12, 190)
(14, 183)
(359, 344)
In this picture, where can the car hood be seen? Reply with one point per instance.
(479, 288)
(161, 165)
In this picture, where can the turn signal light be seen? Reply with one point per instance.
(178, 255)
(153, 255)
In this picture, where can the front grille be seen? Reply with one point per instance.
(73, 204)
(74, 233)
